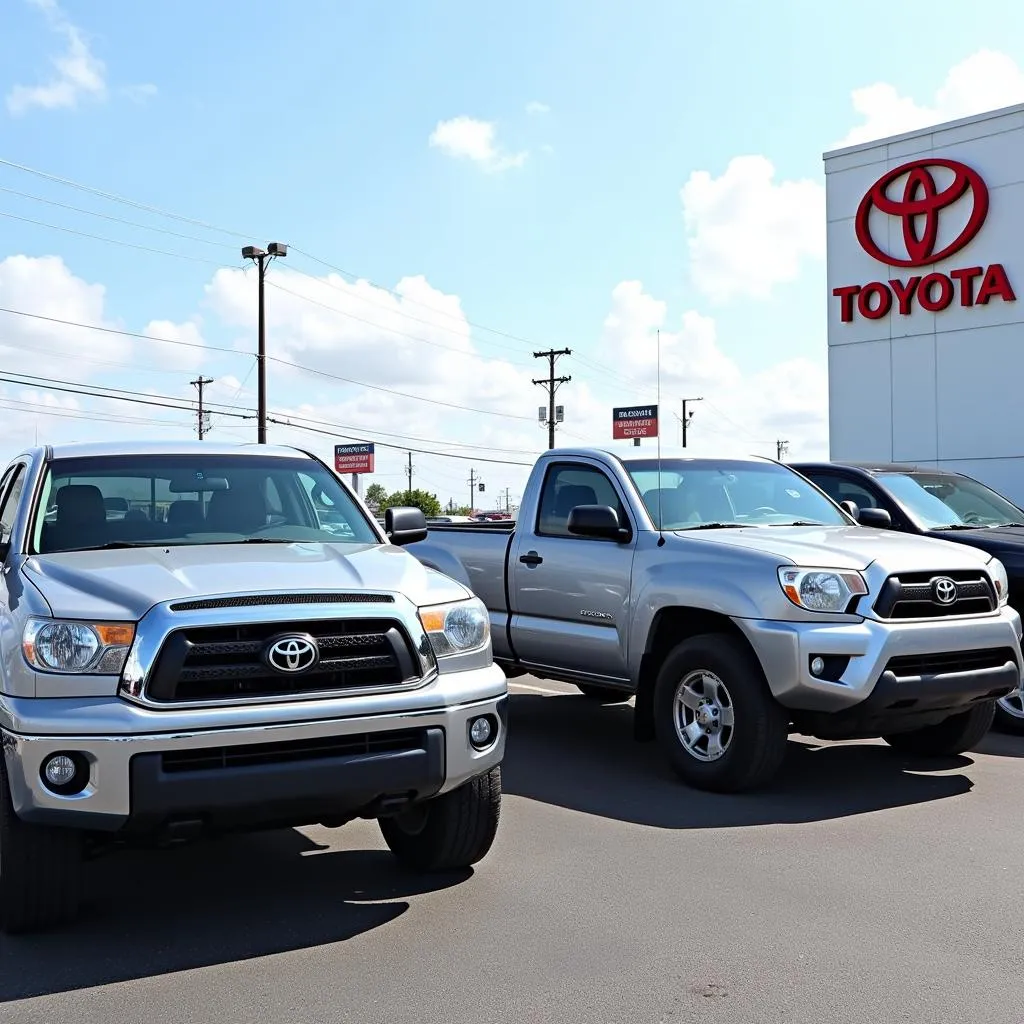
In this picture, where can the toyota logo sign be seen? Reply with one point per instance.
(293, 653)
(937, 197)
(918, 211)
(943, 590)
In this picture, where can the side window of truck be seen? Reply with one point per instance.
(11, 489)
(839, 490)
(565, 487)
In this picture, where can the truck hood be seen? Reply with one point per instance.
(125, 583)
(847, 547)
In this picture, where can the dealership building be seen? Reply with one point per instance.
(925, 332)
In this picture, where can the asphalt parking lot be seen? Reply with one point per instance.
(864, 886)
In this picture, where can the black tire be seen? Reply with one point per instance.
(40, 870)
(756, 743)
(451, 831)
(607, 694)
(955, 735)
(1009, 717)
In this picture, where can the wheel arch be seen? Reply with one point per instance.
(669, 628)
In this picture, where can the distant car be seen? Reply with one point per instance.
(449, 519)
(935, 503)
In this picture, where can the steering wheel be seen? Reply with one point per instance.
(767, 508)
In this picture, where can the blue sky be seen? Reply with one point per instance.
(312, 124)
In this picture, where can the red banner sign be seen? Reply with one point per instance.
(353, 458)
(634, 421)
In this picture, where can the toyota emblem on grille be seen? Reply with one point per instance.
(943, 590)
(293, 653)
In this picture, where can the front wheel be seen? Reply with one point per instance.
(715, 717)
(448, 832)
(40, 870)
(954, 735)
(1010, 713)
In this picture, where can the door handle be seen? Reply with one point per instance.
(531, 558)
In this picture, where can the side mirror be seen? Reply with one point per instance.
(600, 521)
(851, 508)
(5, 550)
(405, 525)
(876, 517)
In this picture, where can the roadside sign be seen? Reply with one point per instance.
(353, 458)
(634, 421)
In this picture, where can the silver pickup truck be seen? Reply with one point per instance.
(186, 648)
(737, 602)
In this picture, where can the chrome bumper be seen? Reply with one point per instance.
(32, 730)
(786, 648)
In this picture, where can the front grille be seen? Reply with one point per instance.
(912, 596)
(201, 663)
(214, 758)
(955, 661)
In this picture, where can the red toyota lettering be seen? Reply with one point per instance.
(945, 297)
(966, 278)
(845, 296)
(904, 293)
(864, 301)
(995, 282)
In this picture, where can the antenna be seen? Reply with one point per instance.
(661, 530)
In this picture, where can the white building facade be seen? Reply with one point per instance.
(926, 299)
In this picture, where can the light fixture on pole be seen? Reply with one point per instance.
(262, 257)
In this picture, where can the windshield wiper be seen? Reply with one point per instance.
(716, 526)
(1003, 526)
(958, 526)
(799, 522)
(259, 540)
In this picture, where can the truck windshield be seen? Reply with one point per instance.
(692, 493)
(939, 500)
(157, 500)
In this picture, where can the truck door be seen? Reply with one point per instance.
(570, 596)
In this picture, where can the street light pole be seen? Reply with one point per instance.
(262, 258)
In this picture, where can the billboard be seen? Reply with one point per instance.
(353, 458)
(633, 421)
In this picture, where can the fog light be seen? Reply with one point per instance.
(480, 732)
(65, 774)
(60, 770)
(817, 666)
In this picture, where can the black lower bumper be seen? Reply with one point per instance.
(902, 703)
(220, 789)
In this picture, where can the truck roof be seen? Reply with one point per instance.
(630, 453)
(92, 449)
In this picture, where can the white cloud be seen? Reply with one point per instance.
(747, 232)
(78, 73)
(466, 138)
(139, 93)
(414, 340)
(985, 80)
(536, 108)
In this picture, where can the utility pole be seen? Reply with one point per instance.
(202, 424)
(685, 421)
(508, 501)
(551, 383)
(262, 258)
(781, 448)
(474, 482)
(409, 475)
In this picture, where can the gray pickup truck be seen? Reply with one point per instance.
(186, 648)
(737, 602)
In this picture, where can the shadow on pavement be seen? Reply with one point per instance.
(571, 752)
(1001, 744)
(157, 912)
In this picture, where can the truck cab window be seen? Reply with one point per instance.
(11, 500)
(567, 486)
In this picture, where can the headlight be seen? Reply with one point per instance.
(821, 590)
(83, 648)
(1000, 579)
(457, 627)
